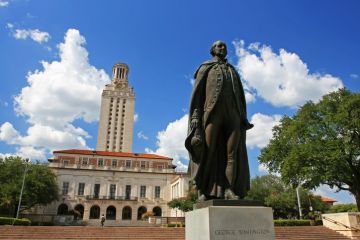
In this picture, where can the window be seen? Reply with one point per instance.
(127, 192)
(65, 188)
(128, 164)
(112, 191)
(157, 211)
(62, 209)
(66, 163)
(96, 190)
(126, 213)
(100, 162)
(114, 163)
(94, 212)
(142, 164)
(157, 191)
(84, 161)
(81, 189)
(111, 213)
(142, 191)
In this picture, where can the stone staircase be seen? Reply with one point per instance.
(144, 233)
(307, 233)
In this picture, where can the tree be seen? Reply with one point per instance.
(320, 144)
(184, 204)
(40, 185)
(273, 192)
(339, 208)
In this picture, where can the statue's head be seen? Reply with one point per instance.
(219, 49)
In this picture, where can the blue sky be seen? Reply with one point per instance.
(56, 56)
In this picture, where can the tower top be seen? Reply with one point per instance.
(120, 75)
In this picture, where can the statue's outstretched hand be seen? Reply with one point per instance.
(248, 125)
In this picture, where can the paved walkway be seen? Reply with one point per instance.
(147, 233)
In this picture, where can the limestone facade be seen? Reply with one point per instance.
(122, 186)
(115, 133)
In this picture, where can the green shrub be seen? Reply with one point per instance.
(42, 224)
(288, 223)
(14, 221)
(318, 222)
(338, 208)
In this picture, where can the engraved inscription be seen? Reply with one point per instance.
(242, 232)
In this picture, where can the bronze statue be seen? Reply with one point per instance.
(216, 139)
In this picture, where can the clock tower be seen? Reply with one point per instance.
(117, 113)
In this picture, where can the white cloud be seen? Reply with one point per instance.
(8, 133)
(35, 34)
(263, 169)
(136, 117)
(9, 25)
(260, 135)
(4, 3)
(353, 75)
(57, 95)
(281, 79)
(190, 78)
(170, 142)
(250, 97)
(5, 155)
(32, 153)
(140, 135)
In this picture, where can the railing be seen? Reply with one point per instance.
(349, 228)
(117, 168)
(119, 198)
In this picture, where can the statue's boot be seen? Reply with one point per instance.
(230, 195)
(202, 198)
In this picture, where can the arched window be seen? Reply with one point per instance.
(141, 211)
(62, 209)
(126, 213)
(94, 212)
(80, 209)
(157, 211)
(111, 213)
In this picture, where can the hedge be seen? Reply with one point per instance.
(42, 224)
(14, 221)
(288, 223)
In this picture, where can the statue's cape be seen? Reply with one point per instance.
(197, 102)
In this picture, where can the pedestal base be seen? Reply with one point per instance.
(230, 223)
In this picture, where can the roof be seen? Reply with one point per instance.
(329, 200)
(112, 154)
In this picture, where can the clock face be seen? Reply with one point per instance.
(120, 84)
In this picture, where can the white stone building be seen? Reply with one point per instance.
(122, 186)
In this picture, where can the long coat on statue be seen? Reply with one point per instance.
(205, 171)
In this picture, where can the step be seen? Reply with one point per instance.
(143, 233)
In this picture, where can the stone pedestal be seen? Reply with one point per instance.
(230, 223)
